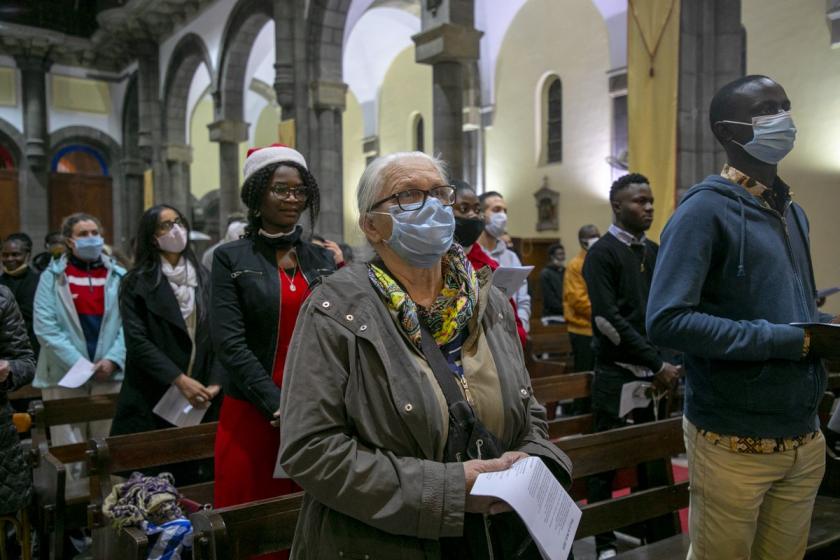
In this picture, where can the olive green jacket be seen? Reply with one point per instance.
(362, 425)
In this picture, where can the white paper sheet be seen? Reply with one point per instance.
(510, 278)
(174, 407)
(77, 375)
(547, 510)
(633, 395)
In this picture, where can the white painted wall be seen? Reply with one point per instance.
(789, 41)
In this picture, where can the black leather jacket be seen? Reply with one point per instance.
(245, 314)
(15, 477)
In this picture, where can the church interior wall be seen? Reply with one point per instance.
(10, 95)
(405, 91)
(575, 48)
(790, 42)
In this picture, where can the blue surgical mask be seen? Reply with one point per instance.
(773, 137)
(421, 237)
(497, 224)
(89, 248)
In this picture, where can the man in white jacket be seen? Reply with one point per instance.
(495, 218)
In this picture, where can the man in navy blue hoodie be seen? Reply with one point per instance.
(734, 270)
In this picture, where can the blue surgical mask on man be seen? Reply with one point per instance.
(421, 237)
(773, 137)
(89, 248)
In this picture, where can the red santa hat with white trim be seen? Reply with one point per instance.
(258, 158)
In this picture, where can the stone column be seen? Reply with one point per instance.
(447, 47)
(34, 207)
(325, 155)
(712, 53)
(228, 133)
(132, 206)
(150, 130)
(178, 160)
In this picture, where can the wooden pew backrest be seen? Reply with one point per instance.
(246, 530)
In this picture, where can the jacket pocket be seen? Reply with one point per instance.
(345, 537)
(782, 386)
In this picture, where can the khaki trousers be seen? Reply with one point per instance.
(750, 506)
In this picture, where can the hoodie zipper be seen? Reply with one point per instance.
(800, 287)
(803, 299)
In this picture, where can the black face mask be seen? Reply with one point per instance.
(467, 230)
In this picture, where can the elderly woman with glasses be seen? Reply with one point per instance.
(406, 380)
(258, 286)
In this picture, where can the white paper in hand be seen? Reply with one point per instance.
(510, 278)
(633, 395)
(77, 375)
(547, 510)
(177, 410)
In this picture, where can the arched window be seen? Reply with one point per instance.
(419, 134)
(79, 159)
(554, 122)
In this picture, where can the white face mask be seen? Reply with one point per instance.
(497, 224)
(174, 241)
(588, 243)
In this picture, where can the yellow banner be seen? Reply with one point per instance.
(148, 189)
(653, 51)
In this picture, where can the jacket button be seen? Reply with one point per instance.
(349, 317)
(524, 392)
(501, 315)
(363, 328)
(409, 407)
(325, 305)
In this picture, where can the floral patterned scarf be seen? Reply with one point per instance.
(452, 309)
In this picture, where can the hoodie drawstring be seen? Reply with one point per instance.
(742, 272)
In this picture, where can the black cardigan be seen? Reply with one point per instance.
(618, 279)
(245, 314)
(158, 350)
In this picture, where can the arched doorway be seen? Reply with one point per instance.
(9, 196)
(80, 181)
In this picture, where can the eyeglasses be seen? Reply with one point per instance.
(285, 192)
(169, 224)
(415, 199)
(467, 208)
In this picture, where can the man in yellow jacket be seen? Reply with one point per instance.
(576, 306)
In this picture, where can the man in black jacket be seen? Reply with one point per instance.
(618, 272)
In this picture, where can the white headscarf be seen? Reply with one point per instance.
(183, 280)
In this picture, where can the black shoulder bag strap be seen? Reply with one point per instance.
(444, 375)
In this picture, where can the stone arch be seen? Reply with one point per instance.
(327, 19)
(189, 53)
(112, 153)
(96, 139)
(245, 22)
(131, 118)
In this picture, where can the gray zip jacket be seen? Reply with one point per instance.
(362, 425)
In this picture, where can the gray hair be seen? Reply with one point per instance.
(370, 184)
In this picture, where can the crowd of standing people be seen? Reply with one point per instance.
(384, 388)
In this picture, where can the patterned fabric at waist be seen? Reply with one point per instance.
(746, 444)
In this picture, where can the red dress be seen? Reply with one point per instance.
(479, 259)
(246, 443)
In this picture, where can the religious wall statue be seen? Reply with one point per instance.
(548, 208)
